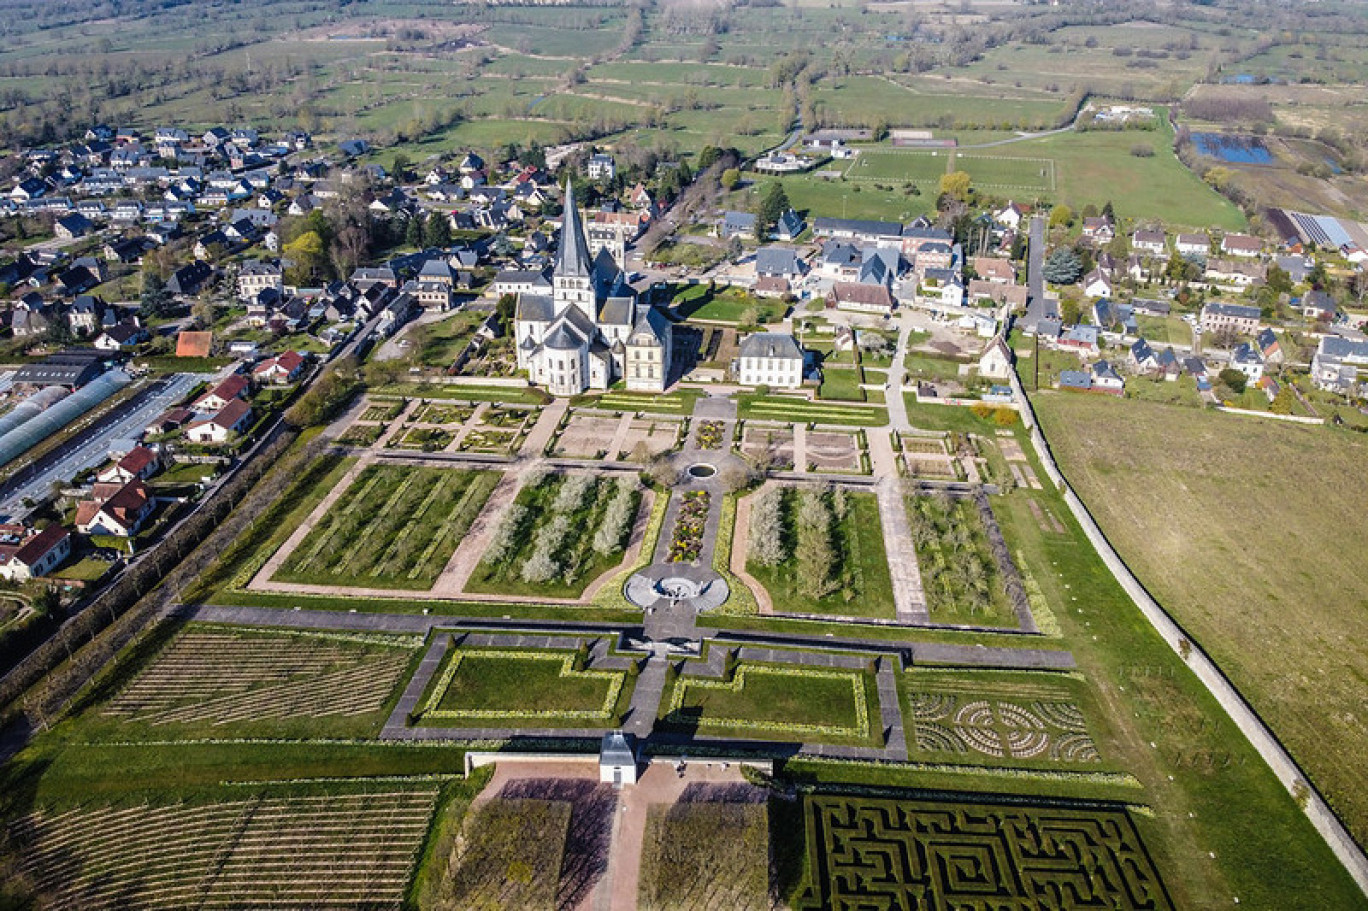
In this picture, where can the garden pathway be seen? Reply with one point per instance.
(545, 428)
(909, 599)
(897, 372)
(650, 687)
(451, 583)
(464, 430)
(396, 425)
(262, 579)
(800, 460)
(619, 437)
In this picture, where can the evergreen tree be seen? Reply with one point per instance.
(413, 231)
(1063, 267)
(773, 204)
(437, 230)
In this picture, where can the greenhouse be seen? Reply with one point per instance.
(49, 410)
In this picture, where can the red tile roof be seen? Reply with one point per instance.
(37, 547)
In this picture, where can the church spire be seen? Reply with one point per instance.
(572, 257)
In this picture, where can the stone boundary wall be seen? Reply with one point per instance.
(1241, 713)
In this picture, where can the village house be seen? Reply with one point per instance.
(1081, 340)
(996, 361)
(1192, 245)
(36, 556)
(994, 269)
(1269, 346)
(1148, 241)
(234, 417)
(256, 275)
(1099, 230)
(140, 463)
(1241, 245)
(1234, 274)
(1106, 379)
(1236, 317)
(115, 509)
(862, 298)
(281, 369)
(1338, 363)
(233, 387)
(124, 335)
(770, 359)
(601, 167)
(1248, 361)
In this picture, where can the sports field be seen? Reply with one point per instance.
(1239, 527)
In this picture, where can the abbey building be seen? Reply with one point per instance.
(591, 331)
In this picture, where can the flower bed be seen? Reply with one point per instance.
(710, 434)
(686, 544)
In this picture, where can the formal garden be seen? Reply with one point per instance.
(686, 540)
(793, 409)
(781, 702)
(396, 526)
(961, 578)
(510, 687)
(819, 550)
(877, 852)
(998, 717)
(562, 531)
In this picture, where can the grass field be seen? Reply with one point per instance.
(394, 527)
(727, 305)
(1238, 527)
(991, 172)
(841, 384)
(863, 587)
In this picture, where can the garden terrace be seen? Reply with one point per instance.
(780, 702)
(509, 687)
(825, 557)
(961, 578)
(395, 526)
(441, 413)
(498, 430)
(420, 439)
(350, 848)
(585, 436)
(679, 402)
(868, 851)
(561, 533)
(987, 718)
(210, 676)
(708, 851)
(797, 410)
(380, 410)
(829, 450)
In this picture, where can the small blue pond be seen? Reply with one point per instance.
(1233, 149)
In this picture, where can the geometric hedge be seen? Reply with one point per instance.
(902, 855)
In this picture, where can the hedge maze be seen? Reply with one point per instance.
(354, 850)
(895, 855)
(216, 677)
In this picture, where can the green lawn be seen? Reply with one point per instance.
(863, 587)
(394, 527)
(727, 305)
(842, 384)
(501, 686)
(440, 343)
(509, 395)
(1164, 330)
(776, 702)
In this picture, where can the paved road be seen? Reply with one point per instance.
(91, 447)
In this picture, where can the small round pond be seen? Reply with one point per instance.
(702, 470)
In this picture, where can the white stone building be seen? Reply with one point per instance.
(591, 330)
(770, 359)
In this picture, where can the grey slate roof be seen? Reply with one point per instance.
(572, 257)
(617, 311)
(536, 307)
(782, 261)
(771, 344)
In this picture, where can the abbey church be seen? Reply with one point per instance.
(591, 331)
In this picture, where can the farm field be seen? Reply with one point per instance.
(860, 585)
(208, 677)
(490, 686)
(394, 527)
(1243, 553)
(349, 848)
